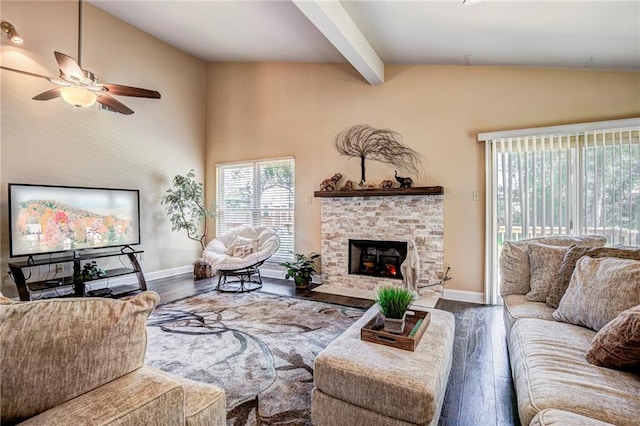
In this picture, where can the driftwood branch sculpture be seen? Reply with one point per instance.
(382, 145)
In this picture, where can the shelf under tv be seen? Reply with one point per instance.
(26, 288)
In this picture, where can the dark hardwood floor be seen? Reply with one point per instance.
(480, 389)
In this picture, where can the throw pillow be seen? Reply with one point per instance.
(544, 262)
(237, 242)
(574, 253)
(242, 251)
(56, 349)
(514, 259)
(617, 344)
(600, 289)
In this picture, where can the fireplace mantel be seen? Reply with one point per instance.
(377, 192)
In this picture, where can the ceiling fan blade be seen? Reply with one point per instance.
(118, 89)
(25, 72)
(49, 94)
(68, 65)
(114, 104)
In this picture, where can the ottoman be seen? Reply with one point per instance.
(363, 383)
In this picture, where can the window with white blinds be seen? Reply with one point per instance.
(259, 193)
(577, 179)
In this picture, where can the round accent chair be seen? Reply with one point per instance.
(236, 256)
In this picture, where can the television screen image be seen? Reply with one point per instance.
(49, 219)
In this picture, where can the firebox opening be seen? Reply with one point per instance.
(377, 258)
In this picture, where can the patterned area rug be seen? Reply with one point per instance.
(259, 348)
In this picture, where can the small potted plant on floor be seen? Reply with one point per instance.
(394, 303)
(301, 269)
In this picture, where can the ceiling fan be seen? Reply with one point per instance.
(80, 87)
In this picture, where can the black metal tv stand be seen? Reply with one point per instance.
(77, 281)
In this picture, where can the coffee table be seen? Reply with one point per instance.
(364, 383)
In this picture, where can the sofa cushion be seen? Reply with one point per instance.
(617, 344)
(550, 371)
(514, 259)
(516, 306)
(600, 289)
(560, 284)
(552, 417)
(544, 263)
(54, 350)
(142, 397)
(205, 404)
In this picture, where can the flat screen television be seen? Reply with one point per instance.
(47, 219)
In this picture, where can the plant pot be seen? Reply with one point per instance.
(394, 325)
(302, 284)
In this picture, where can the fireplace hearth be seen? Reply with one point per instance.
(377, 258)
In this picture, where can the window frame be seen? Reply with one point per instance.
(256, 210)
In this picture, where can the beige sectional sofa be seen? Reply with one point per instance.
(555, 383)
(79, 361)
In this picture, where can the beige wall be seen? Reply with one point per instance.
(273, 110)
(53, 143)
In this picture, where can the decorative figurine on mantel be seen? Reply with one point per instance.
(331, 184)
(405, 182)
(386, 184)
(384, 145)
(348, 186)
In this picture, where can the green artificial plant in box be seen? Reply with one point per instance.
(394, 301)
(301, 269)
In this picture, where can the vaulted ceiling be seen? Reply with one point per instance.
(371, 33)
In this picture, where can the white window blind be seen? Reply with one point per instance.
(578, 179)
(259, 193)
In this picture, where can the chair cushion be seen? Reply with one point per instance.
(215, 253)
(54, 350)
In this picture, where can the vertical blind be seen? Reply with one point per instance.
(259, 193)
(577, 179)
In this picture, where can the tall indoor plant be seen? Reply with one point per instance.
(301, 269)
(187, 208)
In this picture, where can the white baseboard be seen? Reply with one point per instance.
(279, 274)
(132, 279)
(272, 273)
(464, 296)
(164, 273)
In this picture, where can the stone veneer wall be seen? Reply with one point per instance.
(418, 218)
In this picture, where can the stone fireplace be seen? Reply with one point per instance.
(366, 234)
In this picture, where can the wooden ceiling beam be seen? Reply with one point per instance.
(336, 25)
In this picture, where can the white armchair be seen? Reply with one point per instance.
(236, 256)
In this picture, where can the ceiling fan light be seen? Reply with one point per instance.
(11, 32)
(78, 96)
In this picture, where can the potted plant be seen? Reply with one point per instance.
(301, 269)
(187, 208)
(394, 303)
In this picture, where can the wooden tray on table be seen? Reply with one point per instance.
(415, 326)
